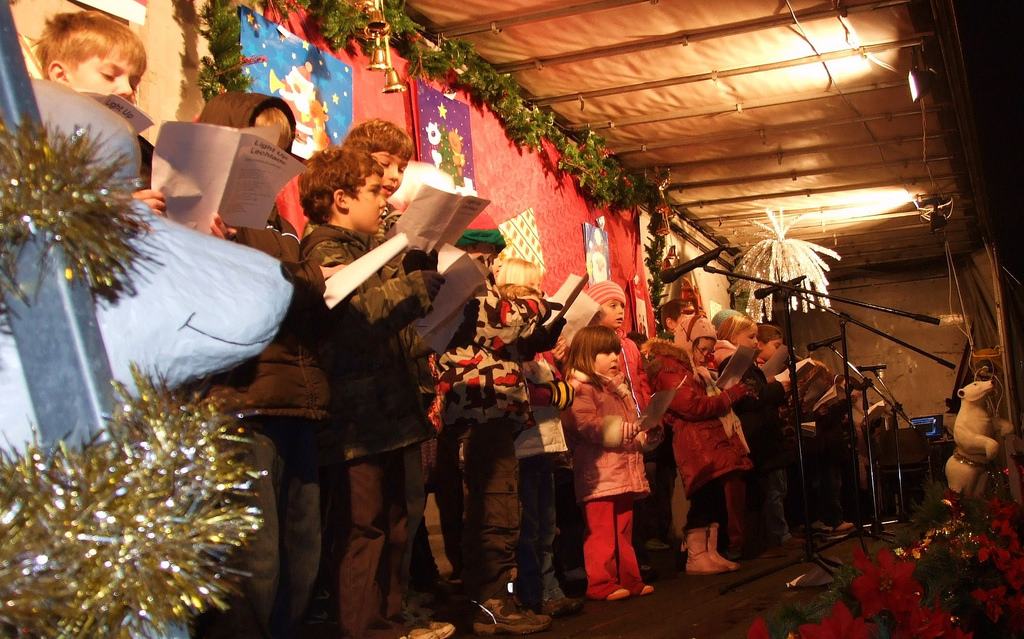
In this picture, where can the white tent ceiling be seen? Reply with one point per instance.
(749, 105)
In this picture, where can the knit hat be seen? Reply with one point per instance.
(606, 291)
(692, 327)
(700, 326)
(721, 315)
(482, 230)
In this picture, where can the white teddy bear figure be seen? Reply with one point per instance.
(977, 433)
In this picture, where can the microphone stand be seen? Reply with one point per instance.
(790, 291)
(851, 433)
(865, 384)
(810, 554)
(888, 397)
(897, 412)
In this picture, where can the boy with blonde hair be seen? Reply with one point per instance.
(91, 52)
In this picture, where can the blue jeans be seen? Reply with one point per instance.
(774, 486)
(536, 581)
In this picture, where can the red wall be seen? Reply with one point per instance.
(513, 180)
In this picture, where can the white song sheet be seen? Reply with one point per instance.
(205, 169)
(737, 366)
(462, 280)
(436, 217)
(344, 282)
(656, 408)
(135, 116)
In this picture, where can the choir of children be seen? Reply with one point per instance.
(340, 404)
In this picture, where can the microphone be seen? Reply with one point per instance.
(873, 368)
(673, 273)
(762, 293)
(813, 346)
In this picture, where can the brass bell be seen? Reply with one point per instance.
(376, 24)
(378, 57)
(392, 82)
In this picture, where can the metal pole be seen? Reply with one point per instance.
(66, 368)
(58, 340)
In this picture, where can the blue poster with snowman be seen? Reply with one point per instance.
(316, 85)
(445, 139)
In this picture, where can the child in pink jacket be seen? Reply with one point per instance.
(608, 461)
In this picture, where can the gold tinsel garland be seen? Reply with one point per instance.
(53, 189)
(126, 536)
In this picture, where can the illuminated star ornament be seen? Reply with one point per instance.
(778, 258)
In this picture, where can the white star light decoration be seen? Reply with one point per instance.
(779, 259)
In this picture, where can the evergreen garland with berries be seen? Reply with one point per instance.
(456, 64)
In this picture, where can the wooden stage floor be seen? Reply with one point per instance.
(692, 607)
(682, 606)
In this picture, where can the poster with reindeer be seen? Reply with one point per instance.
(315, 84)
(444, 137)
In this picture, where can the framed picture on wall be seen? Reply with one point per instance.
(316, 85)
(640, 309)
(443, 136)
(595, 247)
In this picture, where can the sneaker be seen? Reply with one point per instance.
(618, 595)
(563, 607)
(646, 590)
(432, 630)
(506, 617)
(656, 545)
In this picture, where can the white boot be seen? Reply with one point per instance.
(698, 559)
(713, 550)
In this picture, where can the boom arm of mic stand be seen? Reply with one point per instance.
(894, 311)
(928, 319)
(897, 408)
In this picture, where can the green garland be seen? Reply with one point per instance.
(654, 253)
(455, 63)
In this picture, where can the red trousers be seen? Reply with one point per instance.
(608, 548)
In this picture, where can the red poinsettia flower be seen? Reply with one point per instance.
(759, 630)
(841, 625)
(888, 586)
(994, 600)
(989, 550)
(1015, 613)
(1014, 573)
(926, 623)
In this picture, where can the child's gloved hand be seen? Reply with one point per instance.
(417, 260)
(737, 391)
(562, 394)
(648, 440)
(655, 436)
(433, 281)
